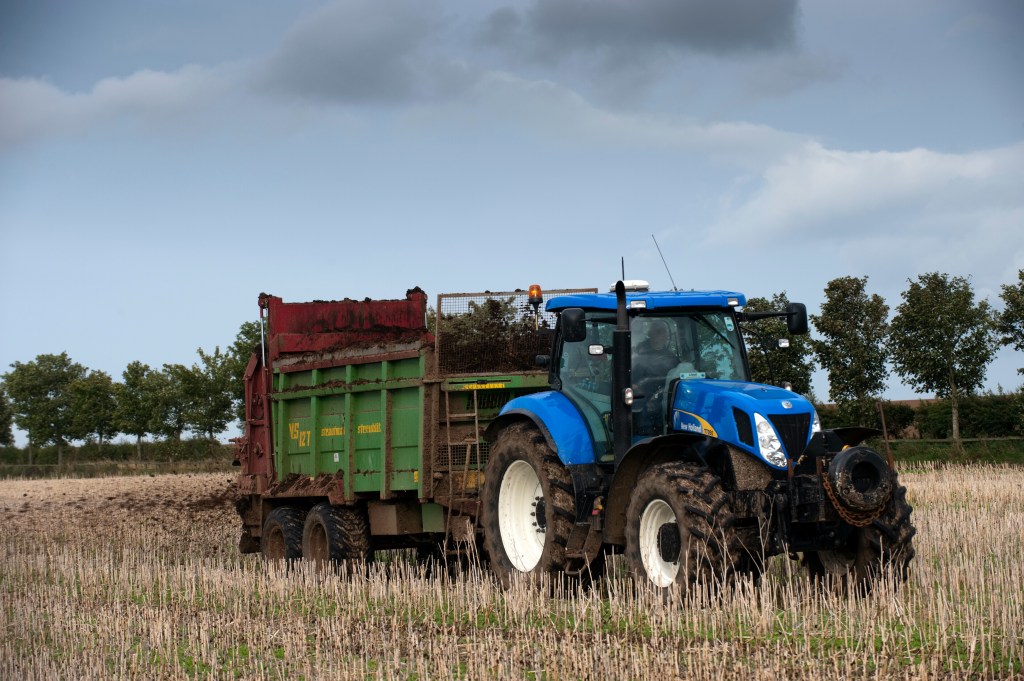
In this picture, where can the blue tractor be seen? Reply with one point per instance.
(653, 442)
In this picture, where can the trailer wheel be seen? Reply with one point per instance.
(679, 529)
(282, 534)
(883, 548)
(333, 534)
(529, 507)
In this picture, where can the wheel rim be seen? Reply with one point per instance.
(661, 572)
(318, 544)
(519, 500)
(273, 544)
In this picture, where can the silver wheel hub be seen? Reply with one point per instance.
(658, 529)
(520, 510)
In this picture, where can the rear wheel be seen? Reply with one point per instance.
(679, 529)
(281, 538)
(529, 507)
(885, 547)
(333, 534)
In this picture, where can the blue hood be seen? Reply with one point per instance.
(725, 410)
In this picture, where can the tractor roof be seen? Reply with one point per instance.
(655, 300)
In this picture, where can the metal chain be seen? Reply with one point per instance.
(855, 519)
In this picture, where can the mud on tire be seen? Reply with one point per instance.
(679, 533)
(281, 538)
(529, 507)
(333, 534)
(884, 547)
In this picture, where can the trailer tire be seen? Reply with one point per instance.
(336, 534)
(882, 549)
(679, 529)
(528, 506)
(281, 538)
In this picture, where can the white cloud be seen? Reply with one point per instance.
(32, 109)
(891, 215)
(817, 187)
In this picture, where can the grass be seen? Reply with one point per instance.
(991, 451)
(140, 577)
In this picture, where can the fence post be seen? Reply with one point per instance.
(885, 431)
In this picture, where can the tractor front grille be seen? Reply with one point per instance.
(792, 428)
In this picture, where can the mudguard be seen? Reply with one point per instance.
(558, 420)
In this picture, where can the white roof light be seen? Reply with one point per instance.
(733, 302)
(634, 285)
(638, 304)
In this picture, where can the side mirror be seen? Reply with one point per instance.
(574, 325)
(796, 318)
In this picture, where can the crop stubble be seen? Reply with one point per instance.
(140, 577)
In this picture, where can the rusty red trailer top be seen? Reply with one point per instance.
(323, 325)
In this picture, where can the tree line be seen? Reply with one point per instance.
(940, 340)
(56, 400)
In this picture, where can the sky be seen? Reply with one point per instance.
(163, 162)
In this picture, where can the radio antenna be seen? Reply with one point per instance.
(665, 264)
(623, 268)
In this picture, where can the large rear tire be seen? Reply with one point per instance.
(335, 534)
(281, 538)
(679, 529)
(885, 547)
(529, 507)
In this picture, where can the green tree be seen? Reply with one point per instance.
(135, 403)
(942, 341)
(246, 343)
(852, 349)
(767, 361)
(167, 394)
(41, 397)
(1011, 319)
(211, 391)
(6, 420)
(93, 407)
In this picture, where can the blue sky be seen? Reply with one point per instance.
(162, 163)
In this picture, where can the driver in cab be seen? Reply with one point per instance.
(654, 356)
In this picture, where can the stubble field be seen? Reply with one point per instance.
(139, 577)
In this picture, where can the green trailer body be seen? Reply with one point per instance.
(369, 423)
(362, 421)
(361, 404)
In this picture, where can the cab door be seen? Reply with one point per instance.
(585, 374)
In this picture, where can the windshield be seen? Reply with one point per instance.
(665, 347)
(687, 346)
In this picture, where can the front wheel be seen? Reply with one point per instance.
(529, 508)
(679, 528)
(884, 547)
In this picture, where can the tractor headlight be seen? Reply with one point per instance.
(816, 423)
(769, 442)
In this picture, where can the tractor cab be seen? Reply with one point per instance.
(685, 370)
(673, 336)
